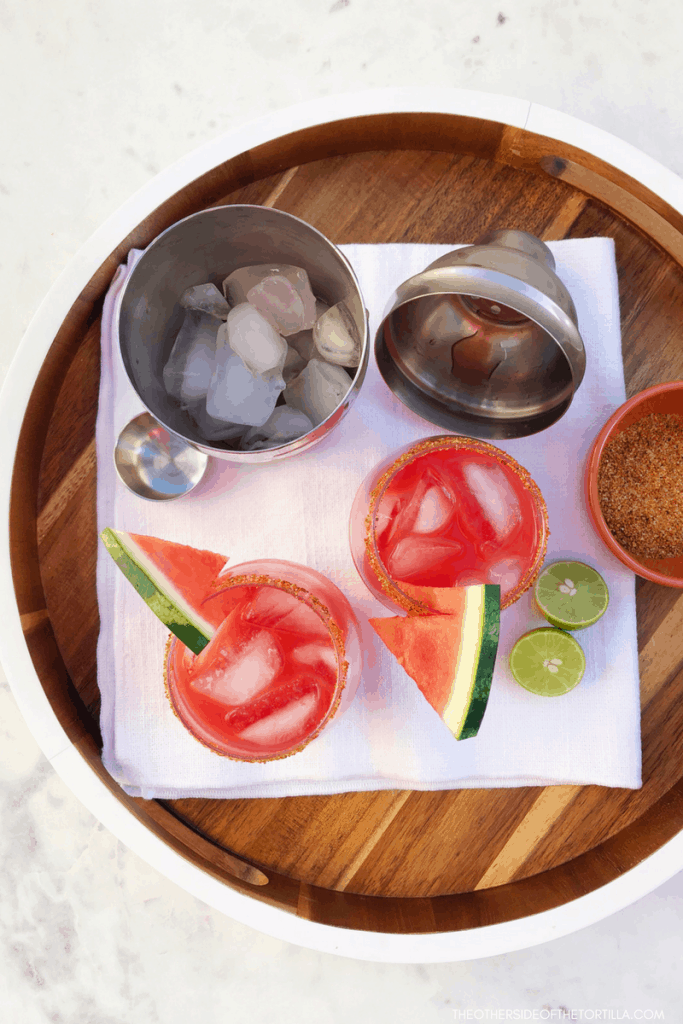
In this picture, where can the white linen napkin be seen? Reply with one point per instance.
(298, 509)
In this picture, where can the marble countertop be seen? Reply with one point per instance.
(98, 99)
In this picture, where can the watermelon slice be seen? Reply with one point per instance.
(449, 653)
(173, 579)
(449, 600)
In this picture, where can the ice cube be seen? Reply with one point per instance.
(318, 390)
(188, 372)
(303, 343)
(205, 298)
(316, 654)
(282, 303)
(237, 286)
(251, 337)
(434, 510)
(294, 364)
(412, 556)
(235, 669)
(507, 572)
(495, 496)
(274, 608)
(238, 396)
(426, 508)
(287, 723)
(336, 336)
(212, 429)
(284, 424)
(197, 374)
(269, 605)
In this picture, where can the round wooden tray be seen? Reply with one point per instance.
(387, 862)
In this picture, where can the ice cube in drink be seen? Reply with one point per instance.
(239, 665)
(444, 512)
(285, 660)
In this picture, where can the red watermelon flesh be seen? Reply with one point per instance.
(426, 646)
(191, 570)
(447, 600)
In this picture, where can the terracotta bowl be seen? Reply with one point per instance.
(662, 398)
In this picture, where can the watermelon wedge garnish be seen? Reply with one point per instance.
(173, 580)
(449, 600)
(449, 652)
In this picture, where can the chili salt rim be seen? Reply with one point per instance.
(323, 612)
(391, 587)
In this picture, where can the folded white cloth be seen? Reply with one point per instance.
(298, 509)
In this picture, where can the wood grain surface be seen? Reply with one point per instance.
(488, 855)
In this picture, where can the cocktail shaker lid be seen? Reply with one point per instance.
(485, 340)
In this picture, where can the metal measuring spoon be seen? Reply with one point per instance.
(156, 464)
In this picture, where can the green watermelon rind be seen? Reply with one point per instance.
(489, 634)
(156, 592)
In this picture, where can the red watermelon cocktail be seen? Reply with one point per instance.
(284, 661)
(448, 511)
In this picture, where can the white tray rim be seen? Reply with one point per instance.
(26, 687)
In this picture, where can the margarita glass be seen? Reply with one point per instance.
(448, 511)
(284, 661)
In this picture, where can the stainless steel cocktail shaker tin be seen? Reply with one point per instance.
(485, 341)
(206, 247)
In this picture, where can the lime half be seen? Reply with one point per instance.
(571, 595)
(547, 661)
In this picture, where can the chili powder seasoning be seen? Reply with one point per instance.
(640, 486)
